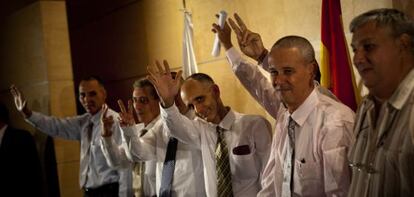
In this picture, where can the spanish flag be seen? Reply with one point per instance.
(336, 66)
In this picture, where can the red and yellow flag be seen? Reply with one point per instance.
(336, 67)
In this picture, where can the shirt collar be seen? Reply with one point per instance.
(228, 120)
(301, 114)
(152, 123)
(96, 118)
(403, 92)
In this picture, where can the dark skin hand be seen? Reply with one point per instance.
(250, 43)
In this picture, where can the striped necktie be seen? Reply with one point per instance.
(288, 164)
(224, 187)
(86, 149)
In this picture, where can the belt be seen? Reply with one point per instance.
(102, 189)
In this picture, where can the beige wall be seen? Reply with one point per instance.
(272, 19)
(35, 56)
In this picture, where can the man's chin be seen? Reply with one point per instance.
(91, 111)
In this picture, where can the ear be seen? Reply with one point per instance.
(406, 41)
(216, 91)
(310, 68)
(316, 72)
(104, 93)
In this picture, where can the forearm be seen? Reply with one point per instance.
(67, 128)
(114, 154)
(139, 148)
(255, 82)
(180, 126)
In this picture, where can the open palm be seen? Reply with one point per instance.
(167, 87)
(19, 99)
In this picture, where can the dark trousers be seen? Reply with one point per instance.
(108, 190)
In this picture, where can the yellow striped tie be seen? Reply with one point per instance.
(224, 187)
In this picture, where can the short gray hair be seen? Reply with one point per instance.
(398, 22)
(305, 47)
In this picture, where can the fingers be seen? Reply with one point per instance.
(14, 91)
(216, 28)
(130, 107)
(104, 111)
(109, 120)
(235, 28)
(152, 79)
(151, 71)
(167, 68)
(245, 36)
(178, 76)
(158, 64)
(121, 106)
(240, 22)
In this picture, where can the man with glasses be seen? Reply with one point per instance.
(176, 168)
(382, 158)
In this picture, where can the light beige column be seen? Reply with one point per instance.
(35, 55)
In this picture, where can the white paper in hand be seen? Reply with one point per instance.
(221, 21)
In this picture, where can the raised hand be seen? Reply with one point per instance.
(167, 87)
(106, 122)
(224, 34)
(20, 101)
(126, 117)
(250, 42)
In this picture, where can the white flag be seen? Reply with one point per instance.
(189, 60)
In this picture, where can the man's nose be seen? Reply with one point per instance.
(87, 98)
(138, 106)
(359, 57)
(277, 80)
(200, 109)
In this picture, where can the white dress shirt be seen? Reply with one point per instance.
(119, 156)
(94, 170)
(322, 137)
(188, 173)
(248, 138)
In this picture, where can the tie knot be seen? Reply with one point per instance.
(143, 132)
(220, 130)
(90, 125)
(292, 123)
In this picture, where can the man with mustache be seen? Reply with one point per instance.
(234, 147)
(313, 131)
(382, 158)
(97, 178)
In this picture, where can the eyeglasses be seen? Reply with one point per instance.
(141, 100)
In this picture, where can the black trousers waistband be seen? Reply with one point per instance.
(107, 190)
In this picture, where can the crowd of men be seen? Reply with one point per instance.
(189, 143)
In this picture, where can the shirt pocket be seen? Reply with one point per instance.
(307, 177)
(245, 166)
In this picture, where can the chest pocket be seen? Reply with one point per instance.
(245, 165)
(307, 177)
